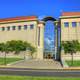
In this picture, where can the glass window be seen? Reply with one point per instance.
(19, 27)
(31, 26)
(8, 28)
(74, 24)
(13, 27)
(25, 27)
(66, 24)
(3, 28)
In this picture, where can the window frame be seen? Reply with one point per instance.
(32, 26)
(74, 24)
(19, 27)
(13, 27)
(3, 28)
(66, 24)
(8, 28)
(25, 27)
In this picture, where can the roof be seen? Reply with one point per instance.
(70, 14)
(19, 18)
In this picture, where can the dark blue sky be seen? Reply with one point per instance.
(12, 8)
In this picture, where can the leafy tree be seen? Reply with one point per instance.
(70, 48)
(2, 47)
(16, 46)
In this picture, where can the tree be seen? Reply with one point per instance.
(70, 48)
(16, 46)
(4, 48)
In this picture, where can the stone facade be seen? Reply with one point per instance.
(70, 30)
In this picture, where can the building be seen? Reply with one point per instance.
(30, 29)
(70, 26)
(25, 28)
(70, 30)
(19, 28)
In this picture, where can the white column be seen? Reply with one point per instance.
(40, 40)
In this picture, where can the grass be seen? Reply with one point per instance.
(35, 78)
(76, 63)
(8, 60)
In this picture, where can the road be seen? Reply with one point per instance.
(34, 72)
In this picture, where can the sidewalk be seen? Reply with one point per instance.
(38, 64)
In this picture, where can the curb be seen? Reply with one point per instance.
(71, 68)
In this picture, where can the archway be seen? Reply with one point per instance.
(41, 26)
(55, 53)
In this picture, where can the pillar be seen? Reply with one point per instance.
(57, 40)
(40, 40)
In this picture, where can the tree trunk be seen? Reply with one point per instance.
(5, 63)
(72, 59)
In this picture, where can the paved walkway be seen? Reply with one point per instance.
(39, 64)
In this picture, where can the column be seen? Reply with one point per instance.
(57, 40)
(40, 40)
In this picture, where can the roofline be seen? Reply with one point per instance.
(65, 17)
(18, 19)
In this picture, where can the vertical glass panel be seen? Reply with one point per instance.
(49, 40)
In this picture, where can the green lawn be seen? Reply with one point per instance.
(8, 60)
(35, 78)
(75, 63)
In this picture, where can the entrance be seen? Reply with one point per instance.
(51, 39)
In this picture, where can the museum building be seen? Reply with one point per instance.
(31, 29)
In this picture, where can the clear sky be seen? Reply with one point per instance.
(12, 8)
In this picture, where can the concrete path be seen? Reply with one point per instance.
(39, 64)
